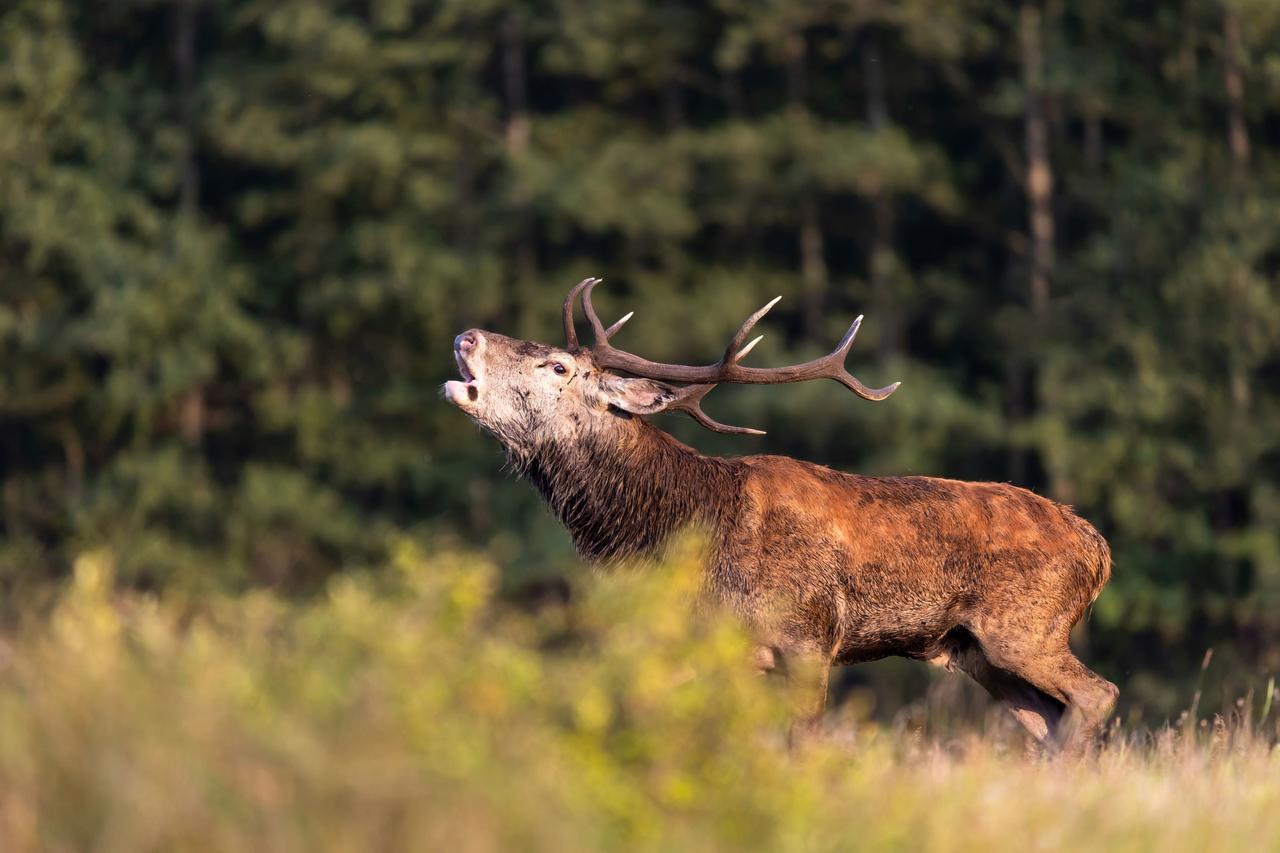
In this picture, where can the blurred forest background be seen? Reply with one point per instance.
(237, 238)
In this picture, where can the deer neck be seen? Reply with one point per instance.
(624, 495)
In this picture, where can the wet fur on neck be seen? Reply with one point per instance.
(623, 492)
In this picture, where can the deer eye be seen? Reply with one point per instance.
(560, 369)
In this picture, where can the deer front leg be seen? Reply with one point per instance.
(807, 677)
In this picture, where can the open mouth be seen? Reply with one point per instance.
(473, 390)
(468, 389)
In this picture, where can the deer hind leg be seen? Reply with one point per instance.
(1090, 701)
(1035, 710)
(1087, 698)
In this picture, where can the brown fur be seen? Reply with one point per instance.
(831, 568)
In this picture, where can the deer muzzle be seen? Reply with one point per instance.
(467, 350)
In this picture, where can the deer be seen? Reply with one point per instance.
(824, 568)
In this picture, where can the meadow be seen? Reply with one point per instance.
(411, 707)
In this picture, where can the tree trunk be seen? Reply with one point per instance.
(516, 135)
(513, 77)
(184, 58)
(1094, 152)
(1039, 177)
(1233, 78)
(731, 92)
(672, 103)
(813, 265)
(794, 49)
(1038, 181)
(882, 260)
(192, 408)
(1238, 144)
(812, 243)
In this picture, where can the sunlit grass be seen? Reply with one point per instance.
(411, 709)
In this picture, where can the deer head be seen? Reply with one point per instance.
(529, 393)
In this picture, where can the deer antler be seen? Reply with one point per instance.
(727, 369)
(570, 333)
(689, 400)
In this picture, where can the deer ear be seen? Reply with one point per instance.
(637, 396)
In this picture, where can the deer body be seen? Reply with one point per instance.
(825, 568)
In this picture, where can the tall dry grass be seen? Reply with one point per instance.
(410, 709)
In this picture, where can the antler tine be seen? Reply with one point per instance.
(841, 374)
(622, 321)
(875, 395)
(570, 333)
(602, 334)
(846, 343)
(689, 400)
(735, 352)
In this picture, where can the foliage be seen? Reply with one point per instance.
(410, 707)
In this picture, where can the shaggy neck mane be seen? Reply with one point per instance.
(623, 494)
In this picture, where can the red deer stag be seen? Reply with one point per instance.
(825, 567)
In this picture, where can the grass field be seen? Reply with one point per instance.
(410, 709)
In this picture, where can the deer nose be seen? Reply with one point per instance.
(467, 341)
